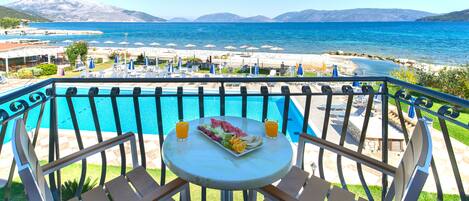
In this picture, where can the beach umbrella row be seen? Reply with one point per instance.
(246, 47)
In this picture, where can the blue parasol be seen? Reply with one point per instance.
(356, 83)
(131, 65)
(91, 66)
(179, 63)
(116, 59)
(335, 71)
(411, 113)
(256, 69)
(147, 63)
(212, 69)
(300, 70)
(170, 67)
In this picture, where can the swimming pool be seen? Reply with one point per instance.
(169, 112)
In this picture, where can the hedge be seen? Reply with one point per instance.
(48, 69)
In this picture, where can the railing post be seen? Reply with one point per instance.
(244, 101)
(138, 119)
(180, 104)
(222, 100)
(286, 107)
(159, 123)
(265, 102)
(91, 94)
(54, 152)
(368, 90)
(327, 90)
(346, 89)
(428, 103)
(72, 91)
(115, 91)
(452, 113)
(384, 132)
(306, 90)
(201, 102)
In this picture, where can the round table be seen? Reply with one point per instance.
(202, 162)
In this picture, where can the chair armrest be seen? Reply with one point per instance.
(275, 193)
(84, 153)
(353, 155)
(167, 191)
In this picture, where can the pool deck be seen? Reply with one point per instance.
(68, 142)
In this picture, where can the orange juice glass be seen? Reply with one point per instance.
(271, 128)
(182, 130)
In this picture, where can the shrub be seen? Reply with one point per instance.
(454, 81)
(192, 60)
(140, 59)
(69, 188)
(25, 73)
(48, 69)
(37, 72)
(112, 55)
(405, 74)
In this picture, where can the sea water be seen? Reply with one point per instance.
(432, 42)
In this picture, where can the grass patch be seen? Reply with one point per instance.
(93, 172)
(71, 74)
(457, 132)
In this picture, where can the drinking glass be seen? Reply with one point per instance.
(271, 128)
(182, 130)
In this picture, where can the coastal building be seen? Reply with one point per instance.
(14, 56)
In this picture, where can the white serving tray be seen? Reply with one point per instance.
(246, 151)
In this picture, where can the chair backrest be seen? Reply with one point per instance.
(29, 169)
(412, 171)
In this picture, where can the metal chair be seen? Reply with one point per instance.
(136, 184)
(409, 176)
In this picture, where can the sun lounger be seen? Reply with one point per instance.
(3, 79)
(333, 107)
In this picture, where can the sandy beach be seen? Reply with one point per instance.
(310, 62)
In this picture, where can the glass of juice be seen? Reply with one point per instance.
(271, 128)
(182, 130)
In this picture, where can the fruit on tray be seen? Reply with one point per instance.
(230, 136)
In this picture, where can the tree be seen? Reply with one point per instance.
(75, 50)
(8, 22)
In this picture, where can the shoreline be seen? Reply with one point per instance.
(24, 31)
(428, 67)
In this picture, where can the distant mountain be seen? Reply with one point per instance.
(353, 15)
(258, 18)
(458, 16)
(143, 16)
(8, 12)
(219, 17)
(80, 10)
(179, 19)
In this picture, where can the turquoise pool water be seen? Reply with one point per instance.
(169, 112)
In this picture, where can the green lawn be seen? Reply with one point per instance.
(73, 172)
(71, 74)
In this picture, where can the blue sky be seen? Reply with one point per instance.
(272, 8)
